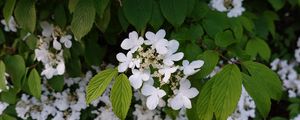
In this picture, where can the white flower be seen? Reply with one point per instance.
(3, 106)
(66, 40)
(127, 61)
(60, 68)
(235, 12)
(157, 41)
(48, 29)
(171, 56)
(42, 55)
(138, 76)
(183, 96)
(167, 71)
(49, 71)
(133, 42)
(11, 26)
(218, 5)
(190, 69)
(297, 55)
(56, 45)
(155, 94)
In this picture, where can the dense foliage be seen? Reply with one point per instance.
(149, 59)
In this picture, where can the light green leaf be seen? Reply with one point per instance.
(224, 39)
(34, 83)
(258, 92)
(259, 47)
(72, 5)
(83, 18)
(266, 77)
(8, 9)
(138, 12)
(15, 67)
(7, 117)
(156, 18)
(247, 23)
(2, 76)
(215, 22)
(211, 59)
(174, 11)
(26, 15)
(120, 96)
(220, 95)
(277, 4)
(98, 84)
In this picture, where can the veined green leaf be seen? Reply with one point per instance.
(211, 59)
(34, 83)
(83, 18)
(99, 83)
(120, 96)
(259, 47)
(26, 15)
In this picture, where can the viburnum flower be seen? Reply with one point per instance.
(11, 25)
(133, 42)
(171, 56)
(138, 76)
(167, 71)
(155, 94)
(183, 96)
(66, 40)
(126, 61)
(191, 68)
(157, 41)
(48, 29)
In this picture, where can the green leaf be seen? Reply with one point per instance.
(8, 9)
(7, 117)
(191, 33)
(266, 77)
(2, 76)
(157, 18)
(224, 39)
(31, 41)
(123, 21)
(258, 93)
(247, 23)
(98, 84)
(120, 96)
(72, 5)
(220, 95)
(101, 6)
(60, 17)
(210, 20)
(83, 18)
(2, 37)
(15, 67)
(9, 96)
(191, 51)
(277, 4)
(211, 59)
(174, 11)
(26, 15)
(57, 83)
(259, 47)
(103, 22)
(34, 81)
(138, 12)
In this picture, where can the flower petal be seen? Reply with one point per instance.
(152, 102)
(148, 90)
(184, 84)
(190, 93)
(121, 57)
(135, 81)
(56, 45)
(187, 102)
(176, 103)
(197, 63)
(122, 67)
(177, 56)
(173, 46)
(127, 44)
(161, 34)
(68, 43)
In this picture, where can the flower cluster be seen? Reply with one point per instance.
(50, 49)
(154, 64)
(233, 7)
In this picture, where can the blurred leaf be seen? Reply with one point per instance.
(123, 21)
(8, 9)
(2, 76)
(72, 5)
(101, 6)
(192, 33)
(15, 67)
(120, 96)
(277, 4)
(174, 11)
(98, 84)
(156, 18)
(7, 117)
(247, 23)
(2, 37)
(259, 47)
(103, 22)
(83, 18)
(138, 12)
(224, 39)
(57, 83)
(34, 83)
(191, 51)
(214, 23)
(25, 14)
(60, 17)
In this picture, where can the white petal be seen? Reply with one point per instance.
(185, 63)
(190, 93)
(133, 35)
(68, 43)
(121, 57)
(161, 46)
(60, 68)
(160, 93)
(126, 44)
(166, 77)
(161, 34)
(177, 56)
(176, 103)
(56, 45)
(184, 85)
(197, 63)
(146, 75)
(152, 102)
(187, 102)
(173, 46)
(135, 81)
(168, 62)
(148, 90)
(151, 38)
(122, 67)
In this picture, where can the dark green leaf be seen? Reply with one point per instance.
(277, 4)
(224, 39)
(57, 83)
(26, 15)
(34, 83)
(15, 67)
(156, 18)
(8, 9)
(174, 11)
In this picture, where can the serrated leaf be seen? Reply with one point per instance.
(83, 18)
(224, 39)
(174, 11)
(15, 67)
(220, 95)
(211, 59)
(2, 76)
(258, 93)
(8, 9)
(120, 96)
(266, 77)
(98, 84)
(34, 81)
(138, 12)
(259, 47)
(157, 18)
(25, 14)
